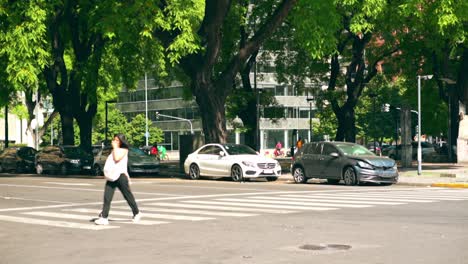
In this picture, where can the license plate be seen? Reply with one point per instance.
(268, 171)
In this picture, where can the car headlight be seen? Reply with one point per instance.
(249, 164)
(365, 165)
(75, 161)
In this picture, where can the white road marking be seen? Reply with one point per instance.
(363, 197)
(70, 184)
(268, 201)
(263, 205)
(404, 196)
(224, 208)
(148, 215)
(318, 199)
(185, 211)
(25, 220)
(89, 218)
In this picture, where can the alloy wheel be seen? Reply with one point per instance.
(299, 176)
(194, 172)
(236, 173)
(349, 176)
(39, 168)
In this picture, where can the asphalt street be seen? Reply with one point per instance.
(49, 220)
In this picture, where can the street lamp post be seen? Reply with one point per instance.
(424, 77)
(310, 100)
(106, 128)
(373, 96)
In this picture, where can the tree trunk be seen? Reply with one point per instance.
(212, 111)
(85, 125)
(68, 131)
(346, 124)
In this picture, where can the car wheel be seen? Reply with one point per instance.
(39, 169)
(333, 181)
(63, 169)
(236, 173)
(299, 175)
(349, 176)
(97, 171)
(194, 172)
(271, 178)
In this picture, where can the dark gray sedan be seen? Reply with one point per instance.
(336, 161)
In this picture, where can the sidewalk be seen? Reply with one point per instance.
(436, 175)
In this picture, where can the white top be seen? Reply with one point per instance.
(113, 170)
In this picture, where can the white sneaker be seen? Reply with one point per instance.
(136, 218)
(101, 221)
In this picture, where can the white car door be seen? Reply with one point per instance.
(211, 163)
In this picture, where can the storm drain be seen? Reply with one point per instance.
(325, 247)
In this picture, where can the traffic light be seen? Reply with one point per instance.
(157, 115)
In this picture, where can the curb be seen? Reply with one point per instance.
(450, 185)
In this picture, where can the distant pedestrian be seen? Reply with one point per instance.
(116, 174)
(299, 143)
(154, 150)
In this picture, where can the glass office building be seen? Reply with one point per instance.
(276, 123)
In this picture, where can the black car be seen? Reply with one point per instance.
(63, 160)
(138, 162)
(336, 161)
(18, 159)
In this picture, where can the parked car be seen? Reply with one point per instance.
(138, 162)
(336, 161)
(426, 150)
(230, 160)
(17, 159)
(63, 160)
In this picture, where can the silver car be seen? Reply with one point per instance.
(336, 161)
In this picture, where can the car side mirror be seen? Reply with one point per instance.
(334, 154)
(222, 154)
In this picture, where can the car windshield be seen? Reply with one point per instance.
(137, 152)
(354, 150)
(239, 150)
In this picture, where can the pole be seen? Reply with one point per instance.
(373, 114)
(419, 126)
(449, 134)
(37, 119)
(146, 109)
(257, 93)
(105, 130)
(6, 125)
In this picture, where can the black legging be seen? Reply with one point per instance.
(122, 184)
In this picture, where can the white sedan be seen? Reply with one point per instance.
(236, 161)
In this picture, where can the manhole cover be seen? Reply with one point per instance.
(325, 247)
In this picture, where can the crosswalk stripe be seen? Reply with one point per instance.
(418, 197)
(26, 220)
(224, 208)
(149, 215)
(411, 195)
(263, 205)
(87, 217)
(363, 197)
(415, 199)
(185, 211)
(288, 198)
(274, 201)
